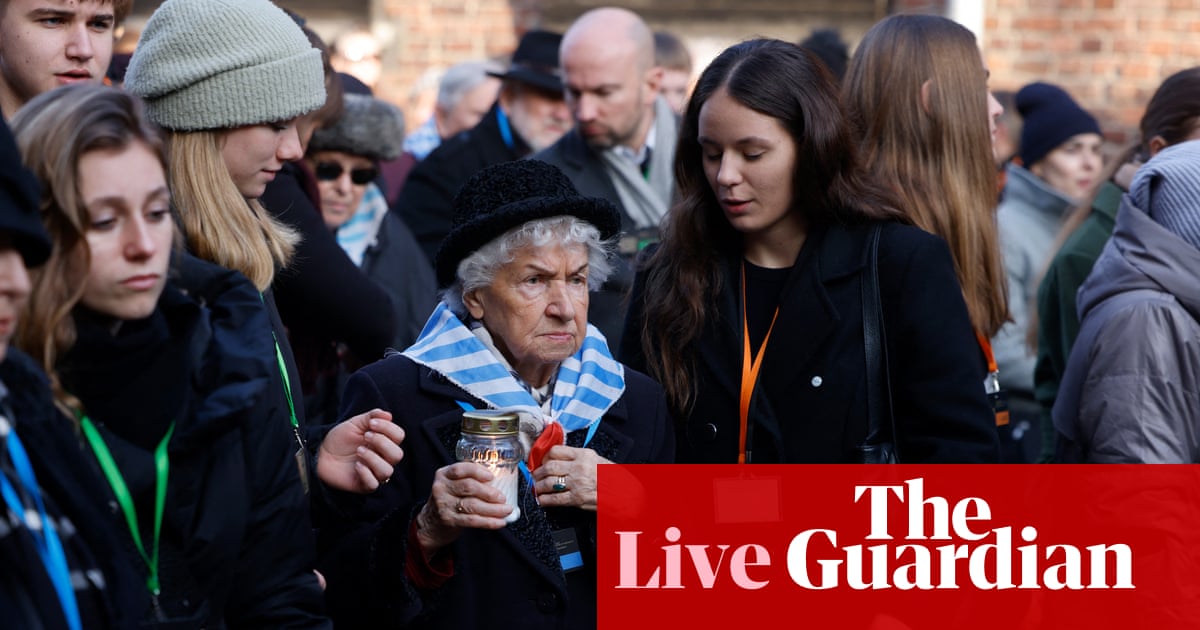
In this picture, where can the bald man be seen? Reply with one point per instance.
(622, 146)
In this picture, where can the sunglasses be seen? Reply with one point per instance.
(328, 171)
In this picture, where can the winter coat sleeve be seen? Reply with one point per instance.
(1058, 326)
(365, 567)
(273, 585)
(937, 371)
(322, 285)
(1140, 401)
(1013, 356)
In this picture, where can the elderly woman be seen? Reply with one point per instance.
(511, 333)
(346, 159)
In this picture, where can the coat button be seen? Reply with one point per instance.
(547, 602)
(816, 381)
(707, 432)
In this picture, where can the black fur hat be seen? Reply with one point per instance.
(507, 195)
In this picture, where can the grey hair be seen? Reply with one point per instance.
(460, 79)
(479, 269)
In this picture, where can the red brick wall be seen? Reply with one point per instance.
(1109, 54)
(428, 36)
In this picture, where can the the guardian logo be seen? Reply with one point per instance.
(974, 555)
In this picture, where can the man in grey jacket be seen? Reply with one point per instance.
(1131, 392)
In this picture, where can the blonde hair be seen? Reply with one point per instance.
(218, 222)
(54, 131)
(917, 90)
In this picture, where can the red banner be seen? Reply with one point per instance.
(894, 547)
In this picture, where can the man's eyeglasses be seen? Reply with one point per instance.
(328, 171)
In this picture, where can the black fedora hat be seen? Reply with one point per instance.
(535, 61)
(507, 195)
(20, 220)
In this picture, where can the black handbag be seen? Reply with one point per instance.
(880, 444)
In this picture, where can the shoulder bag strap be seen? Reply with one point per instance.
(879, 388)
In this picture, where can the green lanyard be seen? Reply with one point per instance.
(162, 469)
(287, 384)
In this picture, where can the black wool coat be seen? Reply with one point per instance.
(394, 261)
(510, 577)
(809, 404)
(323, 297)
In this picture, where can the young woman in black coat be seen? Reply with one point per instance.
(55, 569)
(751, 312)
(165, 371)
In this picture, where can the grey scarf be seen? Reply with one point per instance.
(646, 199)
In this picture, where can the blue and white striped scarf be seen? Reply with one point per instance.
(586, 386)
(360, 232)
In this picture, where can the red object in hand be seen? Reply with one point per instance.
(552, 435)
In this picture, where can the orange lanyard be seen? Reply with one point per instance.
(987, 352)
(992, 384)
(750, 367)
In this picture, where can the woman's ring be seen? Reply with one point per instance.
(561, 485)
(460, 509)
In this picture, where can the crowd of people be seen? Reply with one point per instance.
(242, 314)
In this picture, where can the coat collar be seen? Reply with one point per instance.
(1142, 254)
(1022, 186)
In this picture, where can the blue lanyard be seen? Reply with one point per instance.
(48, 544)
(505, 129)
(591, 433)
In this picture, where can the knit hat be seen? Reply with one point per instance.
(217, 64)
(1168, 189)
(369, 127)
(1051, 117)
(19, 218)
(510, 194)
(535, 61)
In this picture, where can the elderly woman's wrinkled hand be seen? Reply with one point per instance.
(461, 498)
(567, 477)
(360, 453)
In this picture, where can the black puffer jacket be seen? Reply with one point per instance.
(237, 543)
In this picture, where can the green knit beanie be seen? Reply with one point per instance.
(217, 64)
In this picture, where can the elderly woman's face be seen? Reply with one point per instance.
(536, 308)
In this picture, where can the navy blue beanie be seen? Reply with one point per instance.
(1051, 117)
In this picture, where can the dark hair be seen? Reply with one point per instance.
(827, 45)
(333, 108)
(1173, 111)
(780, 80)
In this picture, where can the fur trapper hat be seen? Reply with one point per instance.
(369, 127)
